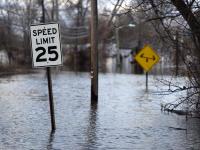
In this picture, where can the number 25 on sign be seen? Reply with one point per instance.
(46, 48)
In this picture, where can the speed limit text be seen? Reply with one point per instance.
(45, 35)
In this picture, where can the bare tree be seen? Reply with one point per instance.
(178, 16)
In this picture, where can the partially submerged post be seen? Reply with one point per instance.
(147, 81)
(51, 103)
(46, 52)
(94, 52)
(48, 72)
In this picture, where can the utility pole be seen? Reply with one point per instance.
(48, 72)
(94, 52)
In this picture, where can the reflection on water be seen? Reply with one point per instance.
(126, 117)
(91, 131)
(50, 141)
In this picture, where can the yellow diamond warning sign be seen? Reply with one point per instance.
(147, 58)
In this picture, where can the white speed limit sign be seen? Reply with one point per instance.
(46, 48)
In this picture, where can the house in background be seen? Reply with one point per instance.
(4, 60)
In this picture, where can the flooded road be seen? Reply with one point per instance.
(126, 118)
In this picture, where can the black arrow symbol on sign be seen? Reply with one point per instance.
(148, 58)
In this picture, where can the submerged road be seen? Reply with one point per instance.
(126, 118)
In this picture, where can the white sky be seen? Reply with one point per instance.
(109, 4)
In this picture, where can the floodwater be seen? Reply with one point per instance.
(126, 117)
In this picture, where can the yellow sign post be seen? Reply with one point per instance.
(147, 58)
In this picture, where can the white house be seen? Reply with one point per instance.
(4, 60)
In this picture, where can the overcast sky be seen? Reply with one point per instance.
(109, 4)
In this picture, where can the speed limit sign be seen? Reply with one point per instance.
(46, 47)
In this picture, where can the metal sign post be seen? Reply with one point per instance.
(147, 81)
(46, 52)
(51, 103)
